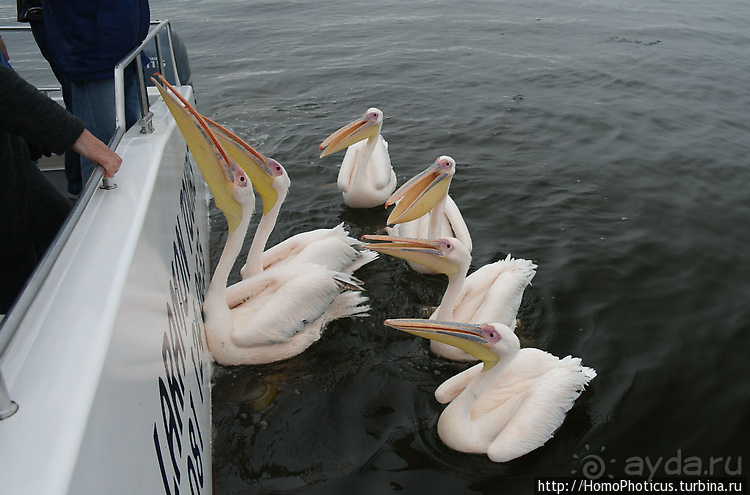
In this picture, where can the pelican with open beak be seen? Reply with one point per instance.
(366, 177)
(275, 314)
(425, 210)
(333, 247)
(509, 404)
(492, 293)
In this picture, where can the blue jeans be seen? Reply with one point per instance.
(94, 104)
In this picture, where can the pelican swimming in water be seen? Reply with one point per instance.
(492, 293)
(425, 210)
(280, 312)
(512, 402)
(366, 177)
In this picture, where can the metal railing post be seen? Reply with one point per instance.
(173, 59)
(147, 127)
(7, 407)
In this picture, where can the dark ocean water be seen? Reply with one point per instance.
(607, 141)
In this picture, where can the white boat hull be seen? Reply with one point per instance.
(110, 367)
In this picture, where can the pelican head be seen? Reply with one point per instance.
(366, 127)
(485, 341)
(422, 192)
(233, 192)
(446, 255)
(263, 172)
(279, 184)
(239, 189)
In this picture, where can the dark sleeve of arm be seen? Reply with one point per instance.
(29, 113)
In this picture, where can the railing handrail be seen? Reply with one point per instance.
(11, 323)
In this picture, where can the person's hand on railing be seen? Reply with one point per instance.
(95, 150)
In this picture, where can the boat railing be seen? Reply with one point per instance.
(161, 35)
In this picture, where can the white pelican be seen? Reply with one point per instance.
(424, 210)
(280, 312)
(366, 177)
(510, 404)
(332, 248)
(492, 293)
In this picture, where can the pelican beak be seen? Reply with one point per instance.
(465, 336)
(217, 167)
(421, 193)
(358, 130)
(260, 169)
(424, 252)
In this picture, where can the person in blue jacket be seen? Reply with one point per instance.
(30, 11)
(85, 41)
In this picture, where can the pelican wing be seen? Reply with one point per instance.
(346, 171)
(280, 312)
(542, 389)
(494, 292)
(378, 180)
(380, 170)
(332, 248)
(290, 299)
(207, 152)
